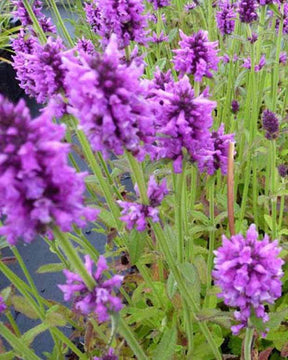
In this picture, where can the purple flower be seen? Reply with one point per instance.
(37, 187)
(190, 6)
(86, 46)
(3, 306)
(283, 170)
(226, 17)
(234, 106)
(283, 58)
(247, 11)
(253, 38)
(266, 2)
(124, 18)
(38, 67)
(196, 56)
(248, 271)
(110, 356)
(134, 214)
(183, 121)
(100, 299)
(158, 38)
(257, 67)
(109, 100)
(270, 125)
(21, 13)
(217, 156)
(160, 3)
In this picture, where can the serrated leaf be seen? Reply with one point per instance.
(21, 305)
(171, 286)
(31, 334)
(166, 348)
(201, 266)
(106, 217)
(276, 318)
(50, 268)
(197, 215)
(136, 244)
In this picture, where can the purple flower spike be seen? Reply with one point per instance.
(38, 67)
(160, 3)
(107, 97)
(234, 106)
(37, 187)
(270, 124)
(136, 215)
(248, 271)
(248, 11)
(196, 55)
(124, 18)
(100, 299)
(3, 306)
(110, 356)
(226, 17)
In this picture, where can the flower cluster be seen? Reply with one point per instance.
(248, 11)
(124, 18)
(248, 272)
(226, 17)
(270, 124)
(184, 121)
(257, 67)
(159, 3)
(100, 300)
(37, 187)
(108, 99)
(196, 55)
(38, 66)
(21, 13)
(134, 214)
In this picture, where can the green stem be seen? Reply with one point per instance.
(37, 27)
(179, 213)
(131, 340)
(273, 188)
(59, 335)
(74, 258)
(17, 344)
(212, 233)
(13, 323)
(248, 343)
(137, 174)
(61, 22)
(28, 277)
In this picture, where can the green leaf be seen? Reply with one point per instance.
(161, 63)
(50, 268)
(268, 220)
(166, 348)
(7, 356)
(171, 286)
(172, 34)
(55, 317)
(190, 274)
(22, 305)
(106, 217)
(197, 215)
(135, 246)
(31, 334)
(201, 266)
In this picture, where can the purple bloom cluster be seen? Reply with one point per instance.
(110, 356)
(37, 187)
(21, 13)
(184, 121)
(109, 100)
(270, 124)
(3, 306)
(248, 271)
(38, 66)
(283, 170)
(124, 18)
(226, 17)
(100, 299)
(134, 214)
(257, 67)
(217, 156)
(160, 3)
(196, 55)
(247, 11)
